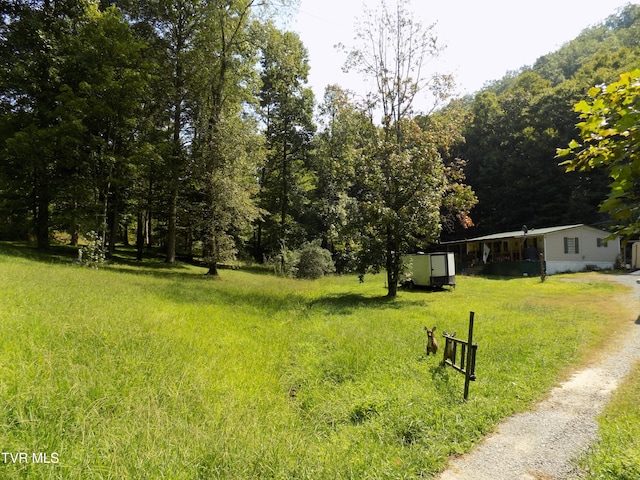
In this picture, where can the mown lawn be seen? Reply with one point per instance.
(153, 372)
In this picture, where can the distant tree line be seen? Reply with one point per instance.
(519, 121)
(189, 125)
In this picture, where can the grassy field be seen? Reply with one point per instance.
(616, 456)
(155, 372)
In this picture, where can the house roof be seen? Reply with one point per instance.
(519, 234)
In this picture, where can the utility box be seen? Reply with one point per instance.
(430, 269)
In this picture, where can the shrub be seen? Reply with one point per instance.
(93, 251)
(285, 262)
(310, 261)
(314, 261)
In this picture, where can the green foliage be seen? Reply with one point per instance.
(286, 104)
(73, 82)
(610, 135)
(263, 377)
(400, 175)
(285, 263)
(93, 253)
(195, 124)
(131, 110)
(344, 134)
(310, 261)
(519, 121)
(314, 261)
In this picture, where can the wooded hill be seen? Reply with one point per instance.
(189, 126)
(520, 120)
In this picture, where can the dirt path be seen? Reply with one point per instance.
(540, 445)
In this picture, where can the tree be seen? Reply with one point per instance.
(343, 130)
(519, 121)
(610, 140)
(172, 29)
(112, 83)
(33, 36)
(224, 146)
(402, 178)
(287, 109)
(73, 81)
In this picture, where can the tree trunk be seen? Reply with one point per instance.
(392, 264)
(213, 269)
(190, 242)
(75, 235)
(148, 230)
(176, 154)
(140, 235)
(114, 220)
(75, 226)
(42, 221)
(40, 209)
(285, 194)
(125, 234)
(392, 282)
(212, 257)
(258, 254)
(171, 233)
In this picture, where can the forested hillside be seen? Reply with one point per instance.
(189, 127)
(519, 122)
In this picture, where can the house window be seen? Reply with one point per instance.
(602, 243)
(571, 245)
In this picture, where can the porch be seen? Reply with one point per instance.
(504, 257)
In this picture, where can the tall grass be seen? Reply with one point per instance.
(615, 457)
(136, 372)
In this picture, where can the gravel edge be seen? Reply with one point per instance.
(542, 444)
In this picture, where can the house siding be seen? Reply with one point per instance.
(583, 251)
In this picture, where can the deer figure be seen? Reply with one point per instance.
(432, 344)
(448, 348)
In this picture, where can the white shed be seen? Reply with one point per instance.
(430, 269)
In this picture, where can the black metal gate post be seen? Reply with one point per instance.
(471, 358)
(467, 362)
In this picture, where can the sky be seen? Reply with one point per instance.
(484, 39)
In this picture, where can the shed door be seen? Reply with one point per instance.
(439, 265)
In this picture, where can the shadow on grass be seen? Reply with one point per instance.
(211, 291)
(153, 262)
(349, 302)
(422, 290)
(55, 253)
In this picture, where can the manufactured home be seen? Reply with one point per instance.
(569, 248)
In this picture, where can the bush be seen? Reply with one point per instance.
(285, 263)
(93, 253)
(314, 261)
(310, 261)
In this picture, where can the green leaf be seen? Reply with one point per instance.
(593, 92)
(582, 106)
(573, 144)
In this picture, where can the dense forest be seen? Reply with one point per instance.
(519, 121)
(189, 126)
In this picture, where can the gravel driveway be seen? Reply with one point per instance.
(540, 445)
